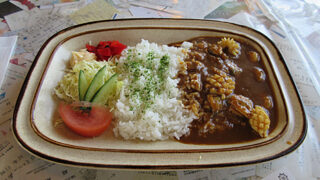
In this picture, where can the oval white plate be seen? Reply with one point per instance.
(36, 106)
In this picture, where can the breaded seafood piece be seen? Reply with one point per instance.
(260, 121)
(241, 105)
(232, 45)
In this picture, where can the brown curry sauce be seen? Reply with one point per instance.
(245, 79)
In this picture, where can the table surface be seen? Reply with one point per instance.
(293, 26)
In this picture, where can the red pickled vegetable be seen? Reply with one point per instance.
(117, 47)
(105, 49)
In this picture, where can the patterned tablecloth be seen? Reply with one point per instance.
(294, 26)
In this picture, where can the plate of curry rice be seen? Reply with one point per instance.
(191, 94)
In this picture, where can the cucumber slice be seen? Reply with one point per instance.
(82, 85)
(106, 91)
(95, 84)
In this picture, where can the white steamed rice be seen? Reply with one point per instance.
(163, 115)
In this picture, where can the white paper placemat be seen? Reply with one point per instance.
(7, 45)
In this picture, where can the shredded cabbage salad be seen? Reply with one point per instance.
(67, 88)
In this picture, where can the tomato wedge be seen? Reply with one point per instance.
(89, 121)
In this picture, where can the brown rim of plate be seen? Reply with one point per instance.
(30, 149)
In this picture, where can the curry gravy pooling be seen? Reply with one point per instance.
(225, 84)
